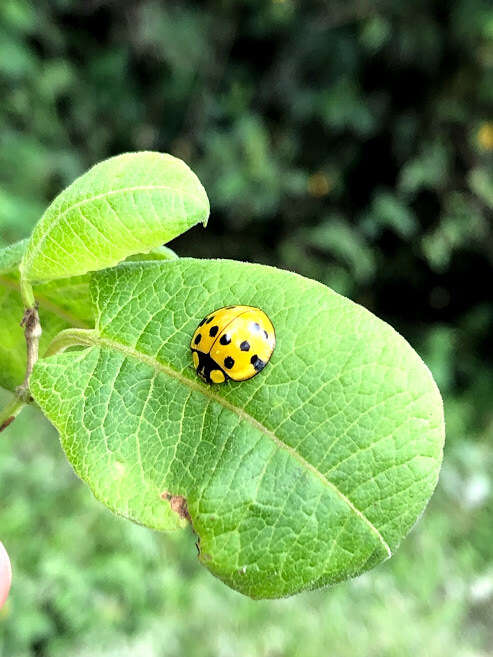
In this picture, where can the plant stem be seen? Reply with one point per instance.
(71, 337)
(32, 333)
(11, 411)
(27, 293)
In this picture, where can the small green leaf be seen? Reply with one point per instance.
(310, 473)
(62, 304)
(65, 305)
(11, 256)
(128, 204)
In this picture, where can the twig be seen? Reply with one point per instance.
(32, 332)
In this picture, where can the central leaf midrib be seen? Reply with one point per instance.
(98, 340)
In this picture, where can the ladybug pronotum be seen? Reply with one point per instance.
(235, 342)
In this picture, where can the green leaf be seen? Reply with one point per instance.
(11, 256)
(310, 473)
(481, 183)
(63, 304)
(128, 204)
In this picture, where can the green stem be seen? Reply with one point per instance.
(27, 293)
(32, 332)
(71, 337)
(11, 411)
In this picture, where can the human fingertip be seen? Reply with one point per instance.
(5, 574)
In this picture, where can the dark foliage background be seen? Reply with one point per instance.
(350, 141)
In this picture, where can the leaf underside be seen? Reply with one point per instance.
(125, 205)
(305, 475)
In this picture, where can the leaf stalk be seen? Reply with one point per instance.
(27, 293)
(71, 337)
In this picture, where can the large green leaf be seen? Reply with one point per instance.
(128, 204)
(309, 473)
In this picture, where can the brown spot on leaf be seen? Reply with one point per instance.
(178, 504)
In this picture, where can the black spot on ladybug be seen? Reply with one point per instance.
(266, 335)
(255, 326)
(225, 339)
(229, 362)
(213, 331)
(245, 345)
(257, 363)
(202, 322)
(209, 320)
(198, 338)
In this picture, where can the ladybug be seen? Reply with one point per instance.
(235, 342)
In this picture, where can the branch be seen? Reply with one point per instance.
(32, 333)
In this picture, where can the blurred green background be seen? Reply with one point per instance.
(350, 141)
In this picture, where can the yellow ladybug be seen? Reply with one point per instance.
(235, 342)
